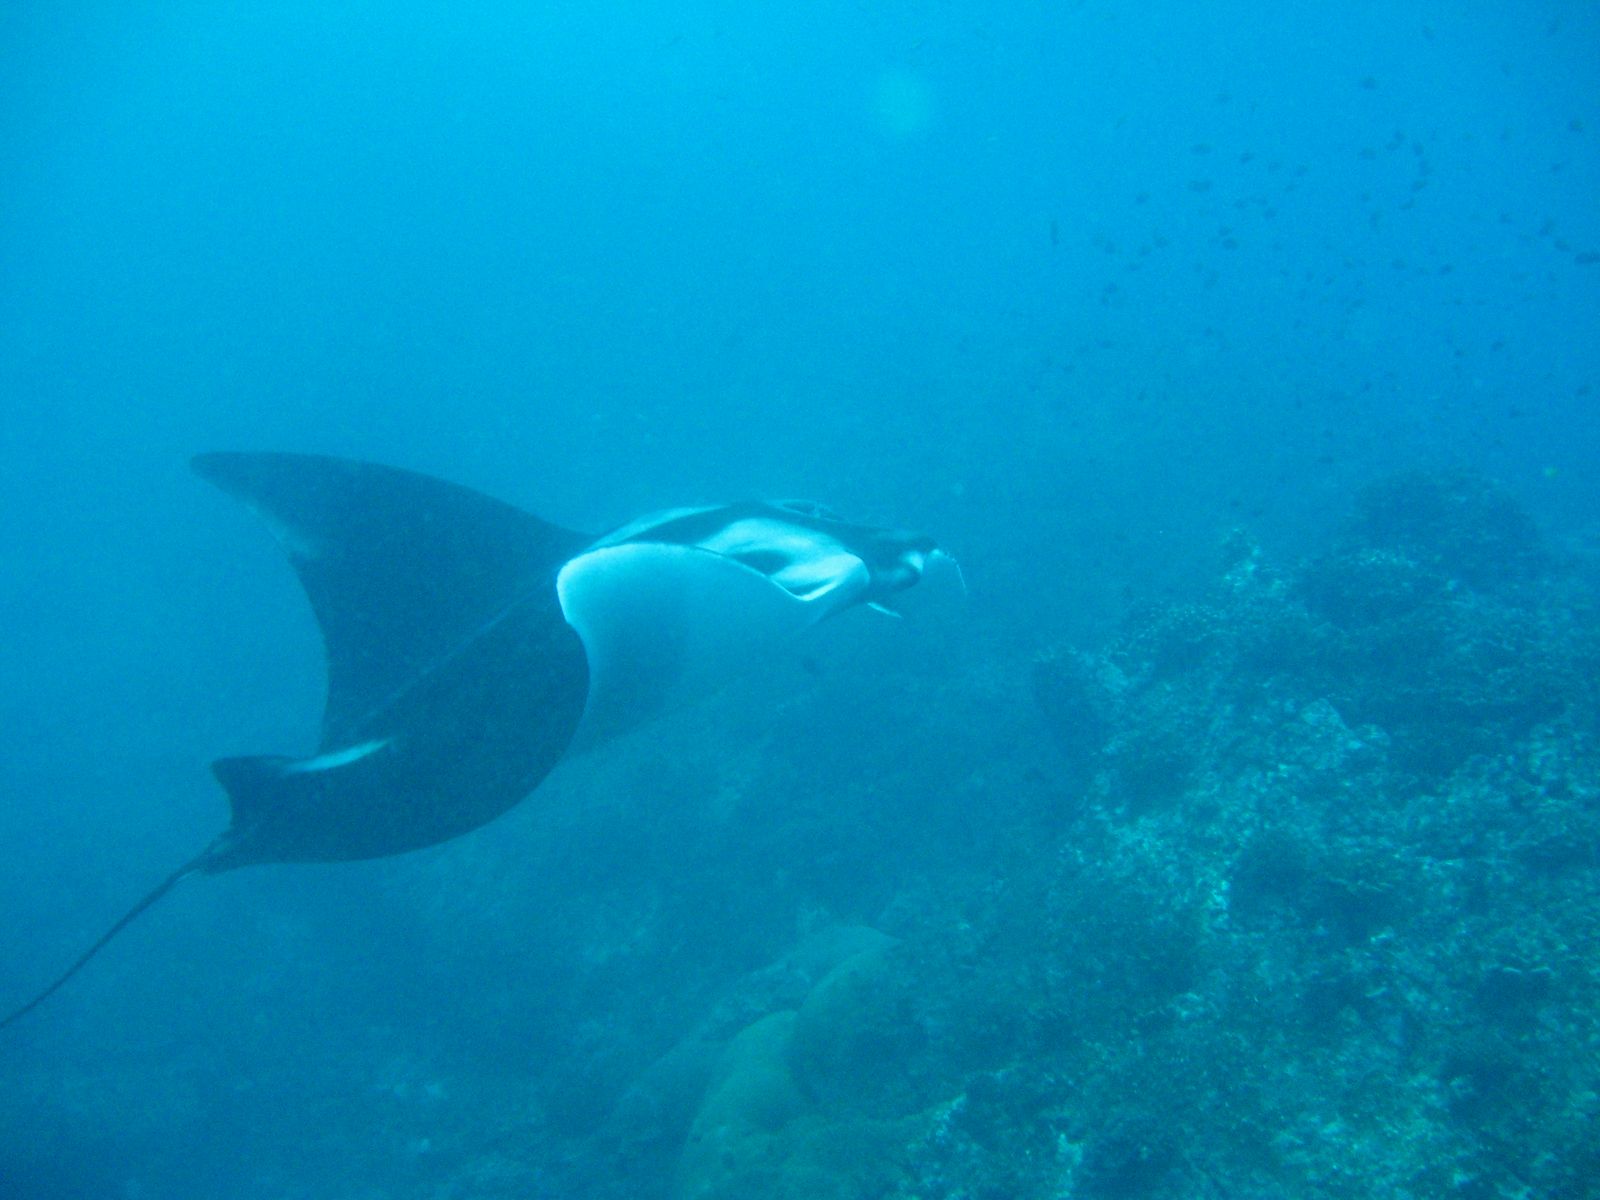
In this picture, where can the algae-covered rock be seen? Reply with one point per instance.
(854, 1034)
(653, 1116)
(752, 1095)
(756, 1137)
(651, 1120)
(753, 1087)
(805, 1105)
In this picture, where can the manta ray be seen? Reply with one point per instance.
(471, 646)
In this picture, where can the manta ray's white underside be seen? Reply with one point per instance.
(663, 625)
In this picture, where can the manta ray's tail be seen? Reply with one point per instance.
(160, 890)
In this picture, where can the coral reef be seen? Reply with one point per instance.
(1308, 905)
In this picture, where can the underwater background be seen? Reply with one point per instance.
(1238, 837)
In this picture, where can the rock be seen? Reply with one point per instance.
(853, 1033)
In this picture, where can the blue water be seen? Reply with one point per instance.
(1076, 287)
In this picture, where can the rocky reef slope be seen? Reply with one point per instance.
(1305, 901)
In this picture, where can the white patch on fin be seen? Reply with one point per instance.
(885, 610)
(336, 758)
